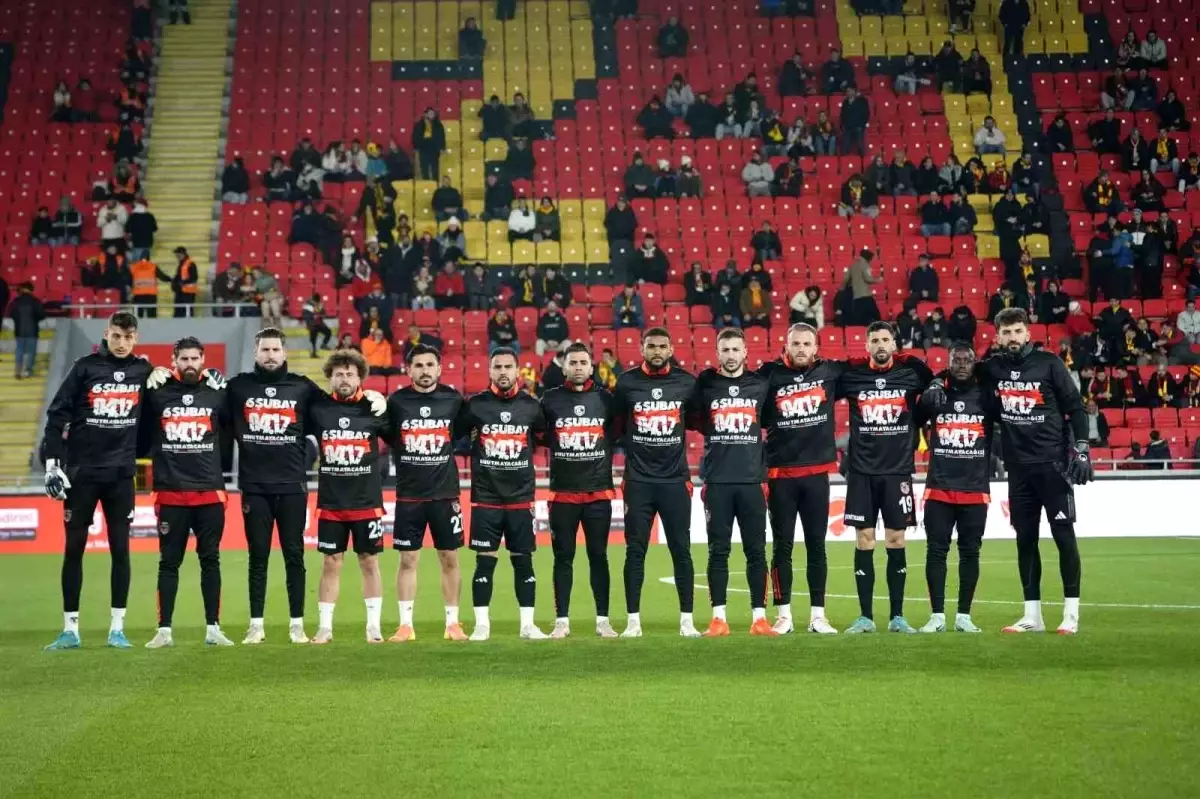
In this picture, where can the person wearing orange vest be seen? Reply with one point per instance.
(185, 283)
(146, 275)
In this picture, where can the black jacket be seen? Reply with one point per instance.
(856, 113)
(620, 225)
(27, 312)
(433, 143)
(703, 119)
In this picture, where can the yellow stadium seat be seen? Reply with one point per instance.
(982, 203)
(1039, 245)
(988, 44)
(983, 26)
(499, 253)
(496, 150)
(572, 252)
(594, 210)
(938, 28)
(597, 253)
(548, 252)
(915, 26)
(381, 31)
(570, 210)
(425, 30)
(893, 26)
(987, 245)
(985, 224)
(572, 231)
(896, 45)
(474, 206)
(402, 30)
(524, 252)
(991, 159)
(867, 26)
(856, 47)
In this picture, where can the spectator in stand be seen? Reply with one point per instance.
(902, 174)
(910, 332)
(68, 224)
(910, 75)
(1135, 152)
(335, 163)
(378, 305)
(552, 329)
(524, 124)
(837, 75)
(650, 263)
(1002, 299)
(41, 229)
(1059, 136)
(950, 175)
(878, 176)
(186, 282)
(519, 162)
(1053, 306)
(1024, 175)
(1172, 345)
(141, 228)
(923, 281)
(495, 120)
(310, 184)
(1078, 323)
(497, 198)
(627, 309)
(989, 138)
(755, 304)
(1097, 425)
(960, 12)
(27, 313)
(1101, 196)
(452, 242)
(415, 337)
(858, 198)
(757, 175)
(824, 135)
(1127, 51)
(680, 97)
(399, 165)
(703, 117)
(471, 43)
(111, 219)
(1163, 390)
(1120, 250)
(672, 39)
(698, 286)
(747, 96)
(759, 271)
(522, 223)
(124, 184)
(313, 314)
(729, 274)
(947, 66)
(303, 155)
(688, 182)
(726, 309)
(800, 140)
(664, 182)
(556, 288)
(62, 104)
(279, 182)
(374, 320)
(1188, 322)
(766, 244)
(553, 376)
(526, 288)
(376, 166)
(235, 183)
(1111, 323)
(935, 217)
(961, 324)
(1145, 91)
(346, 342)
(362, 281)
(998, 180)
(378, 353)
(429, 139)
(1192, 400)
(925, 178)
(794, 77)
(447, 201)
(934, 332)
(1157, 451)
(482, 288)
(266, 291)
(859, 279)
(607, 370)
(1029, 299)
(856, 114)
(306, 226)
(773, 134)
(227, 288)
(549, 223)
(1189, 173)
(1172, 116)
(639, 179)
(85, 102)
(808, 306)
(422, 289)
(976, 75)
(1128, 390)
(1014, 17)
(1105, 134)
(449, 288)
(1153, 51)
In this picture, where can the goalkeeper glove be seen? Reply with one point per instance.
(936, 393)
(213, 379)
(158, 377)
(378, 402)
(57, 483)
(1079, 467)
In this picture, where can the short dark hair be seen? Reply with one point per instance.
(1011, 316)
(343, 358)
(188, 343)
(655, 331)
(502, 351)
(123, 320)
(880, 324)
(579, 346)
(422, 349)
(803, 327)
(269, 332)
(961, 345)
(731, 332)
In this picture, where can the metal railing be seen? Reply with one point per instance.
(246, 310)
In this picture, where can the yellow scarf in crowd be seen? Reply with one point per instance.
(1161, 149)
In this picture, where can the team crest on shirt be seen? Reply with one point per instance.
(733, 391)
(1015, 375)
(188, 399)
(580, 410)
(344, 423)
(119, 377)
(454, 506)
(67, 516)
(164, 528)
(505, 417)
(905, 488)
(959, 407)
(425, 411)
(880, 383)
(656, 393)
(270, 391)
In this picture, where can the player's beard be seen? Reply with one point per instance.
(344, 390)
(881, 357)
(424, 381)
(504, 384)
(657, 362)
(271, 367)
(802, 362)
(732, 367)
(189, 377)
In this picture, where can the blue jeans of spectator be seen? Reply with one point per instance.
(935, 230)
(25, 353)
(986, 149)
(719, 323)
(853, 141)
(138, 254)
(825, 145)
(962, 227)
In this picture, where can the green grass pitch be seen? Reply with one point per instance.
(1113, 712)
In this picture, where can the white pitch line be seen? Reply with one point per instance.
(1119, 605)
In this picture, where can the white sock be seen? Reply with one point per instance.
(256, 622)
(684, 618)
(563, 620)
(758, 613)
(602, 620)
(406, 612)
(481, 617)
(117, 625)
(1071, 606)
(784, 611)
(1033, 609)
(719, 612)
(299, 621)
(635, 619)
(374, 611)
(71, 622)
(210, 629)
(324, 615)
(451, 615)
(526, 617)
(815, 612)
(937, 617)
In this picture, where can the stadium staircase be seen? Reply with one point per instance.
(185, 135)
(19, 423)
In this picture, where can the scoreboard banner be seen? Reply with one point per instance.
(1106, 509)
